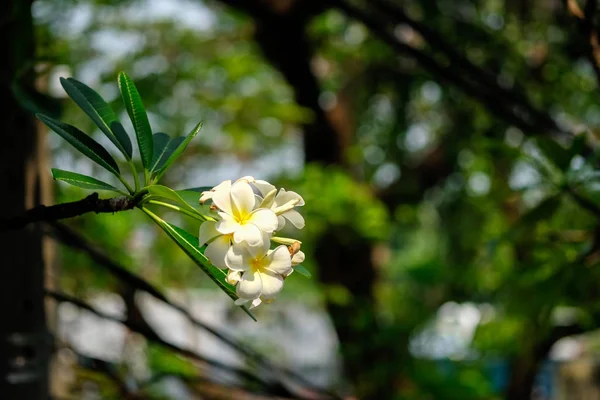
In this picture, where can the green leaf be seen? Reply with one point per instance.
(164, 146)
(82, 142)
(192, 197)
(302, 271)
(100, 112)
(170, 194)
(139, 118)
(177, 152)
(189, 244)
(82, 181)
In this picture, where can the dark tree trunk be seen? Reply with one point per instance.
(25, 345)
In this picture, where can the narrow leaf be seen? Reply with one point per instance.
(170, 194)
(189, 244)
(82, 181)
(82, 142)
(164, 146)
(100, 112)
(177, 152)
(302, 270)
(192, 197)
(139, 118)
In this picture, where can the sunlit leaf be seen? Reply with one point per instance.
(170, 194)
(302, 271)
(139, 118)
(164, 146)
(177, 152)
(82, 142)
(82, 181)
(189, 244)
(100, 112)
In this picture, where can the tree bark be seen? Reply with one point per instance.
(25, 344)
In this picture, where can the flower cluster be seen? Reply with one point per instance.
(249, 213)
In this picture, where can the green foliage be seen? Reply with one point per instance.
(100, 112)
(85, 144)
(139, 118)
(189, 244)
(172, 151)
(82, 181)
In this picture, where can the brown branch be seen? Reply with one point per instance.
(72, 239)
(152, 336)
(68, 210)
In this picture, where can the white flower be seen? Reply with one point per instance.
(262, 271)
(282, 203)
(223, 186)
(298, 258)
(218, 244)
(240, 216)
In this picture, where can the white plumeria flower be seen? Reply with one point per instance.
(223, 186)
(262, 271)
(218, 244)
(298, 258)
(240, 217)
(282, 203)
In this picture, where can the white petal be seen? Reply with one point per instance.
(217, 250)
(250, 286)
(237, 258)
(280, 260)
(271, 284)
(222, 199)
(284, 196)
(243, 198)
(241, 302)
(249, 234)
(225, 185)
(263, 186)
(298, 258)
(208, 230)
(280, 222)
(255, 303)
(246, 178)
(226, 224)
(264, 219)
(295, 218)
(233, 277)
(261, 249)
(205, 196)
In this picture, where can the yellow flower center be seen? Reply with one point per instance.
(258, 264)
(241, 217)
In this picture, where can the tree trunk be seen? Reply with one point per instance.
(25, 344)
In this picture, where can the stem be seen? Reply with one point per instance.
(135, 175)
(199, 217)
(146, 177)
(124, 182)
(150, 213)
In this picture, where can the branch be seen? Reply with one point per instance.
(152, 336)
(72, 239)
(68, 210)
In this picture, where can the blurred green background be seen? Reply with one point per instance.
(446, 150)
